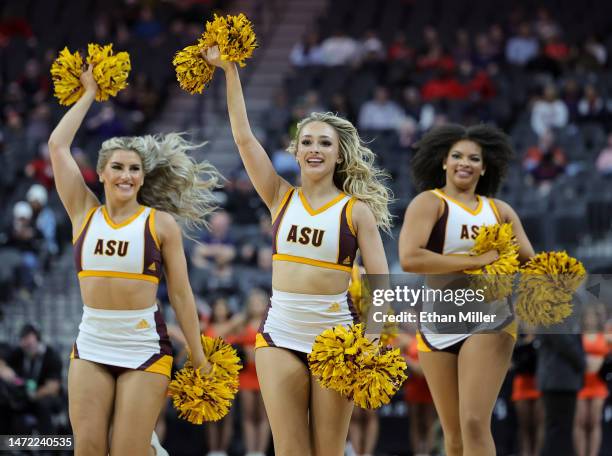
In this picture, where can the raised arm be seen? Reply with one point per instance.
(269, 185)
(71, 187)
(420, 218)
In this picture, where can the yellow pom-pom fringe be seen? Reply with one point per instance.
(496, 279)
(546, 287)
(110, 73)
(193, 72)
(207, 397)
(343, 360)
(236, 40)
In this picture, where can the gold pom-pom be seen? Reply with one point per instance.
(193, 72)
(233, 34)
(110, 71)
(207, 397)
(343, 360)
(496, 279)
(546, 287)
(65, 72)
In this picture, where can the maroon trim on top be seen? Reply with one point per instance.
(75, 351)
(347, 243)
(438, 233)
(152, 255)
(165, 347)
(352, 309)
(277, 222)
(78, 245)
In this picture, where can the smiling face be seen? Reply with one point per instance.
(318, 150)
(464, 164)
(122, 175)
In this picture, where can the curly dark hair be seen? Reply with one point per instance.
(433, 148)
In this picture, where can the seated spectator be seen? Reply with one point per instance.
(311, 103)
(285, 163)
(40, 168)
(34, 84)
(371, 48)
(339, 105)
(40, 368)
(399, 49)
(435, 58)
(485, 52)
(147, 26)
(276, 119)
(444, 86)
(522, 47)
(242, 199)
(604, 160)
(380, 113)
(44, 219)
(422, 113)
(571, 97)
(307, 51)
(557, 49)
(106, 124)
(250, 247)
(339, 49)
(544, 25)
(216, 244)
(89, 173)
(591, 107)
(462, 47)
(595, 48)
(545, 161)
(549, 112)
(25, 237)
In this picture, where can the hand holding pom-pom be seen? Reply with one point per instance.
(88, 81)
(213, 56)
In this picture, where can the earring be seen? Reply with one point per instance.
(444, 167)
(482, 173)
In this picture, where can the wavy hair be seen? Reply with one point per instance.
(356, 175)
(433, 148)
(174, 182)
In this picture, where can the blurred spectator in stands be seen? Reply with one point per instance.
(8, 174)
(311, 103)
(604, 160)
(307, 51)
(146, 97)
(27, 239)
(485, 52)
(407, 132)
(462, 47)
(543, 64)
(339, 105)
(422, 113)
(221, 279)
(89, 173)
(522, 47)
(34, 84)
(285, 163)
(497, 41)
(595, 47)
(276, 119)
(147, 27)
(106, 124)
(571, 97)
(40, 169)
(592, 107)
(476, 81)
(44, 219)
(434, 58)
(242, 200)
(556, 49)
(339, 49)
(399, 49)
(444, 86)
(380, 113)
(371, 48)
(40, 367)
(545, 161)
(548, 112)
(544, 25)
(215, 244)
(37, 129)
(252, 244)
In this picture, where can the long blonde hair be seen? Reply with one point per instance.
(174, 182)
(356, 175)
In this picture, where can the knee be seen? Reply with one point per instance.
(453, 442)
(90, 443)
(475, 427)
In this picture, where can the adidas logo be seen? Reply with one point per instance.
(143, 324)
(152, 267)
(347, 260)
(334, 307)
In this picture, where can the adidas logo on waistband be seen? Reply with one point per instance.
(143, 324)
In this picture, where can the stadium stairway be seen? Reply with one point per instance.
(278, 26)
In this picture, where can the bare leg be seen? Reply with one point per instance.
(595, 408)
(248, 419)
(262, 425)
(580, 427)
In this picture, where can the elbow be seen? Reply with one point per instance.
(409, 263)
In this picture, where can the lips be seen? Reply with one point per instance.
(464, 173)
(125, 187)
(314, 160)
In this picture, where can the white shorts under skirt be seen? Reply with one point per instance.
(129, 339)
(293, 320)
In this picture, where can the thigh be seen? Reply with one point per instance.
(440, 369)
(483, 363)
(330, 415)
(138, 400)
(582, 409)
(285, 386)
(91, 391)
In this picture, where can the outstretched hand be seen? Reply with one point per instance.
(88, 81)
(213, 56)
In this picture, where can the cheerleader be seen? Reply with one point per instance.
(459, 169)
(317, 229)
(121, 360)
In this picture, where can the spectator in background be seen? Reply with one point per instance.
(422, 113)
(380, 113)
(252, 244)
(571, 97)
(311, 102)
(556, 49)
(399, 50)
(276, 119)
(147, 26)
(604, 160)
(40, 368)
(216, 245)
(307, 52)
(34, 84)
(285, 163)
(37, 129)
(89, 173)
(544, 25)
(545, 161)
(549, 112)
(597, 50)
(462, 47)
(242, 200)
(25, 237)
(591, 107)
(339, 105)
(44, 219)
(40, 168)
(522, 47)
(485, 52)
(339, 49)
(106, 124)
(444, 86)
(371, 48)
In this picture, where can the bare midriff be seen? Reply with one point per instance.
(117, 294)
(306, 279)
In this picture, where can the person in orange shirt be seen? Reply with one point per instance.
(587, 424)
(255, 425)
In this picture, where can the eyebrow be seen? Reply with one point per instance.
(121, 163)
(320, 136)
